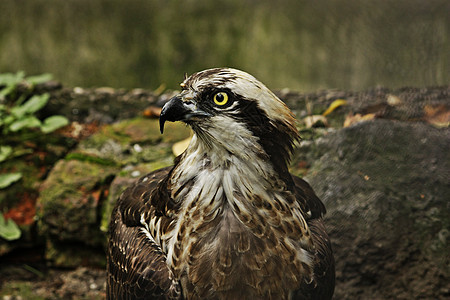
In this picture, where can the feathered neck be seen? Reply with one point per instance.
(255, 146)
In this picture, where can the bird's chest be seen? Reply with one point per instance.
(226, 254)
(236, 234)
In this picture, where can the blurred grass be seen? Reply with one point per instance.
(303, 45)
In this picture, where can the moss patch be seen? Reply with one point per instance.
(70, 201)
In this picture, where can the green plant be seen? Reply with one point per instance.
(8, 229)
(20, 128)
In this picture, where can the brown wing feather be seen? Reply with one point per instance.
(136, 265)
(322, 287)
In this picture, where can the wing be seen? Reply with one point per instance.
(136, 266)
(322, 286)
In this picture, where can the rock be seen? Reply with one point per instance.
(386, 188)
(101, 105)
(68, 197)
(132, 141)
(69, 211)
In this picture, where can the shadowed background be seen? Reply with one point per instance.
(303, 45)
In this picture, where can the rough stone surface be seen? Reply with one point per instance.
(69, 211)
(386, 188)
(101, 105)
(68, 200)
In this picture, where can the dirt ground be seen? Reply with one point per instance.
(81, 283)
(26, 276)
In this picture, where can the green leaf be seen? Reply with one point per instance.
(8, 179)
(8, 120)
(34, 104)
(10, 82)
(9, 229)
(6, 91)
(27, 122)
(5, 152)
(54, 122)
(11, 78)
(39, 78)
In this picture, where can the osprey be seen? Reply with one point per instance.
(228, 220)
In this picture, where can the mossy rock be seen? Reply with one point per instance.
(136, 131)
(70, 201)
(133, 141)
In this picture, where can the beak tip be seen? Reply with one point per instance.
(161, 125)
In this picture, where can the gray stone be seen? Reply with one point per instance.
(386, 188)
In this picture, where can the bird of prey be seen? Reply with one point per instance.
(228, 220)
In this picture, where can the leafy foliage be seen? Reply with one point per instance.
(19, 117)
(20, 128)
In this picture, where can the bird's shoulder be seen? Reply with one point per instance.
(322, 286)
(147, 197)
(308, 199)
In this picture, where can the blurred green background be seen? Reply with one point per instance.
(303, 45)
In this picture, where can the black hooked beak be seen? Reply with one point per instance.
(179, 110)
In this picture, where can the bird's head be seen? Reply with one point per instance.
(230, 109)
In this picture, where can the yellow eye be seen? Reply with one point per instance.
(220, 98)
